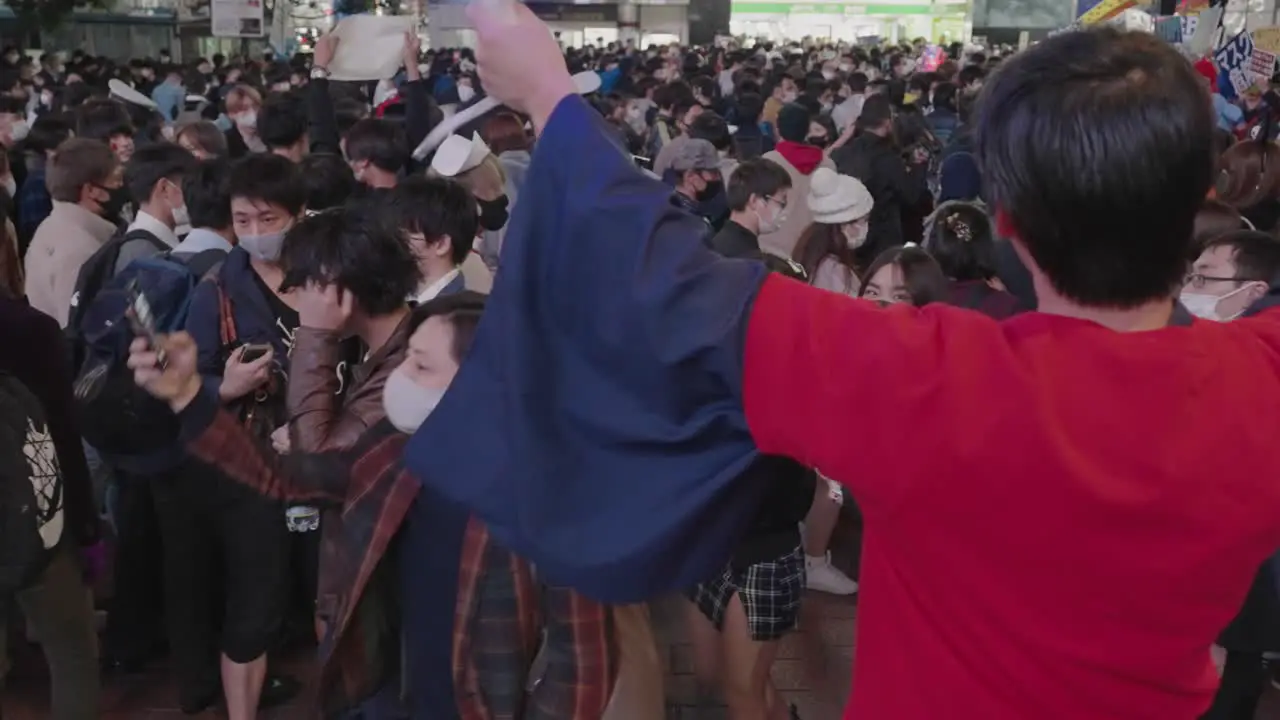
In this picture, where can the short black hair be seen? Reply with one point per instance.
(435, 207)
(48, 132)
(381, 142)
(270, 179)
(152, 163)
(357, 248)
(858, 82)
(970, 74)
(1256, 254)
(282, 123)
(760, 177)
(207, 193)
(1103, 198)
(328, 180)
(711, 127)
(944, 96)
(749, 108)
(103, 119)
(462, 311)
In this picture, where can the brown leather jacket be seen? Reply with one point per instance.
(322, 414)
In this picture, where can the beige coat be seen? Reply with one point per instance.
(62, 243)
(784, 240)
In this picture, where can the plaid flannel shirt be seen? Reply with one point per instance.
(366, 494)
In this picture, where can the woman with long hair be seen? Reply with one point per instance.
(906, 274)
(1249, 181)
(828, 248)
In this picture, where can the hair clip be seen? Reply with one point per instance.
(958, 226)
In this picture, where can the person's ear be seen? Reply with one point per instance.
(441, 246)
(1255, 292)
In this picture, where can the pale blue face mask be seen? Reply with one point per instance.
(263, 247)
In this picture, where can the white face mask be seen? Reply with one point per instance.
(1205, 306)
(465, 93)
(828, 75)
(855, 234)
(263, 247)
(19, 130)
(246, 119)
(181, 218)
(789, 97)
(773, 224)
(407, 403)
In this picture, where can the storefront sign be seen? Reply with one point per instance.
(556, 12)
(237, 18)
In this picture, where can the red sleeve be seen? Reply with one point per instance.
(857, 391)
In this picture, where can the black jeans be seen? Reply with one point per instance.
(225, 568)
(1243, 680)
(135, 620)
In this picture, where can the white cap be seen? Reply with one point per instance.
(836, 199)
(121, 91)
(457, 155)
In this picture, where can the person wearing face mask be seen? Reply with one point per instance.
(402, 666)
(830, 249)
(154, 179)
(376, 150)
(86, 182)
(695, 174)
(243, 104)
(246, 323)
(1231, 274)
(758, 193)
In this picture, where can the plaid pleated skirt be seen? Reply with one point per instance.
(770, 593)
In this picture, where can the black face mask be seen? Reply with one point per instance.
(116, 200)
(818, 141)
(714, 187)
(493, 213)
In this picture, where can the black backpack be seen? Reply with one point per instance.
(30, 488)
(94, 274)
(115, 416)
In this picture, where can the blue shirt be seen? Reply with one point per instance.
(1229, 114)
(33, 205)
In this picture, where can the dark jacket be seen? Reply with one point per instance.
(893, 184)
(236, 146)
(1256, 629)
(35, 353)
(980, 296)
(735, 241)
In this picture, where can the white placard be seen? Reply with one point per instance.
(237, 18)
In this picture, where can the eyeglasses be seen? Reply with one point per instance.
(1199, 280)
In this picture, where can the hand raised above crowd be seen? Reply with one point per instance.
(519, 61)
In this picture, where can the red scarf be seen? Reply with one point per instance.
(805, 158)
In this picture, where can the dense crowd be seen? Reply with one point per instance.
(453, 407)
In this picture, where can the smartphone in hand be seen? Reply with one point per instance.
(253, 352)
(143, 320)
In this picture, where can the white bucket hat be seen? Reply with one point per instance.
(836, 199)
(457, 155)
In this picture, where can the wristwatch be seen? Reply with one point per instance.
(319, 73)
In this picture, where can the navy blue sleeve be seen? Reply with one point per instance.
(596, 425)
(203, 326)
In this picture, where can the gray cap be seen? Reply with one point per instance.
(693, 154)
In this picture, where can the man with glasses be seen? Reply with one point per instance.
(1231, 274)
(759, 191)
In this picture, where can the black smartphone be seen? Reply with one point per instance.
(250, 353)
(143, 320)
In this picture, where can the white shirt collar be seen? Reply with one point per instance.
(201, 239)
(155, 227)
(431, 291)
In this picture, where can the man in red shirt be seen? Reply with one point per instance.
(1052, 528)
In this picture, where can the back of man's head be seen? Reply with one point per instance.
(102, 120)
(1097, 149)
(381, 143)
(283, 121)
(151, 164)
(328, 179)
(207, 192)
(76, 163)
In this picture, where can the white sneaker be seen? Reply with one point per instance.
(822, 576)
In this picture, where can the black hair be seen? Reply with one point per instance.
(711, 127)
(270, 179)
(435, 207)
(152, 163)
(358, 249)
(1102, 196)
(347, 113)
(46, 135)
(102, 120)
(328, 180)
(282, 122)
(462, 311)
(944, 96)
(969, 75)
(858, 82)
(207, 194)
(1256, 255)
(12, 106)
(749, 108)
(921, 275)
(760, 178)
(963, 242)
(381, 142)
